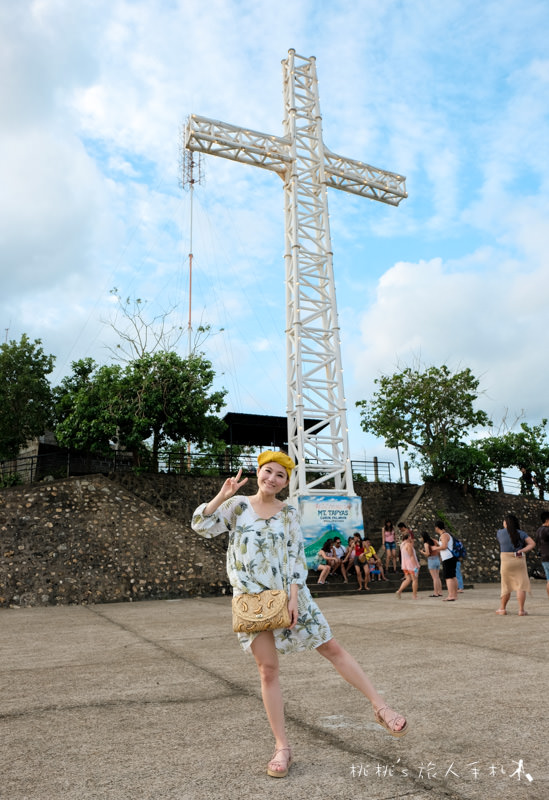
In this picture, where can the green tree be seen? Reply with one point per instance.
(500, 452)
(89, 405)
(170, 398)
(25, 394)
(466, 464)
(424, 412)
(531, 450)
(155, 399)
(528, 447)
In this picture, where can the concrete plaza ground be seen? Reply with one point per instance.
(156, 701)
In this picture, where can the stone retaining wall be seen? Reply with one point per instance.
(91, 541)
(127, 537)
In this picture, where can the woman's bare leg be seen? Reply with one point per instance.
(266, 658)
(452, 586)
(353, 673)
(405, 582)
(366, 569)
(437, 582)
(324, 572)
(521, 597)
(503, 603)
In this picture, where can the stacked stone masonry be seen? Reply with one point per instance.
(128, 537)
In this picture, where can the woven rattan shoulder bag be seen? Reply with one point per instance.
(264, 611)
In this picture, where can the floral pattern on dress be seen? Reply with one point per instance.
(267, 554)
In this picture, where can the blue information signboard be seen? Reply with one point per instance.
(325, 517)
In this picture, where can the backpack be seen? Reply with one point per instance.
(459, 551)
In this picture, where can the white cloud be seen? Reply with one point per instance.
(488, 320)
(50, 214)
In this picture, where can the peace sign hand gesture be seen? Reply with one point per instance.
(232, 485)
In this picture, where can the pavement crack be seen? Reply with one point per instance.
(56, 708)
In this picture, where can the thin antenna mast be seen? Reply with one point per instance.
(191, 172)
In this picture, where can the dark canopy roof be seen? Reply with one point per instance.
(258, 430)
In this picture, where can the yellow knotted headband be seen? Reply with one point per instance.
(275, 455)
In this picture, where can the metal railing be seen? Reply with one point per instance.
(63, 463)
(372, 470)
(507, 484)
(227, 464)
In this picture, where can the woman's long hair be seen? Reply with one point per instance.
(427, 538)
(512, 525)
(388, 525)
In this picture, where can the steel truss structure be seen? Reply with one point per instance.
(308, 168)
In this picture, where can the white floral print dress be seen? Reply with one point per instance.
(267, 554)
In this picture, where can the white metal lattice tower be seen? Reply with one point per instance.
(307, 167)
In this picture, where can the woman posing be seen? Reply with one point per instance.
(433, 563)
(513, 544)
(266, 552)
(389, 542)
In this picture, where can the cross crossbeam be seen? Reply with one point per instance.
(308, 168)
(274, 153)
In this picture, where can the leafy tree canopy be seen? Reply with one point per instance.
(466, 464)
(171, 400)
(88, 407)
(425, 412)
(159, 397)
(25, 393)
(528, 447)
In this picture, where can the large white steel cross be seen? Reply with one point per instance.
(307, 167)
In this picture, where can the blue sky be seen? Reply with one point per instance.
(453, 95)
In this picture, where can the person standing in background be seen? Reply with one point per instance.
(389, 543)
(449, 561)
(410, 566)
(513, 544)
(459, 577)
(433, 563)
(542, 541)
